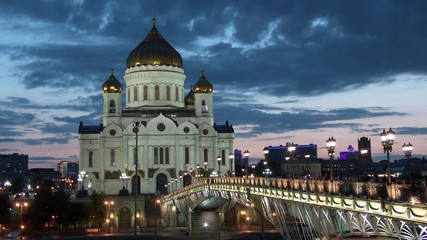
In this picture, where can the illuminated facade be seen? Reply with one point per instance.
(178, 131)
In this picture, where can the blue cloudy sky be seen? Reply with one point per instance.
(283, 71)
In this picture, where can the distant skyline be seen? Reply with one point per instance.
(282, 71)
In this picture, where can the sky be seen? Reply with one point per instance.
(283, 71)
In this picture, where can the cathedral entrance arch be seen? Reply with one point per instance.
(136, 184)
(125, 218)
(187, 180)
(161, 181)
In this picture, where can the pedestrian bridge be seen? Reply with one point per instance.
(312, 209)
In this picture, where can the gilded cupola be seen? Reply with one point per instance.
(154, 50)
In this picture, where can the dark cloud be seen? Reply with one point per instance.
(300, 120)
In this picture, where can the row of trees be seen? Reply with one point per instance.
(55, 209)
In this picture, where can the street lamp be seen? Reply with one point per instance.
(265, 151)
(136, 125)
(206, 165)
(157, 202)
(253, 166)
(246, 155)
(291, 149)
(124, 177)
(387, 139)
(267, 172)
(231, 158)
(219, 165)
(21, 206)
(7, 184)
(82, 177)
(407, 150)
(108, 203)
(330, 146)
(307, 157)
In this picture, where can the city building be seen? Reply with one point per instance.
(69, 172)
(12, 166)
(43, 177)
(279, 157)
(159, 135)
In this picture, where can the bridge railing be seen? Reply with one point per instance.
(351, 187)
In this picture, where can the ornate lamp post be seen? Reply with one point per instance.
(218, 159)
(253, 166)
(407, 150)
(246, 155)
(231, 158)
(206, 165)
(136, 125)
(124, 177)
(21, 206)
(387, 139)
(157, 202)
(82, 177)
(330, 146)
(265, 151)
(291, 149)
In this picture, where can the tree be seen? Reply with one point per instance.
(4, 209)
(98, 208)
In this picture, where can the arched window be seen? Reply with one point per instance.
(145, 92)
(187, 155)
(223, 157)
(168, 93)
(157, 92)
(176, 94)
(166, 155)
(205, 155)
(204, 107)
(112, 158)
(90, 159)
(161, 156)
(135, 93)
(156, 155)
(112, 106)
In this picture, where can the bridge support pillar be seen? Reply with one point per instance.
(205, 223)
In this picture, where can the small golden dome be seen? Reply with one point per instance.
(203, 85)
(154, 50)
(189, 99)
(112, 85)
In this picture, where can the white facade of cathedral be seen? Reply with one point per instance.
(177, 133)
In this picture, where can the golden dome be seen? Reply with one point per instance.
(189, 99)
(203, 85)
(154, 50)
(112, 85)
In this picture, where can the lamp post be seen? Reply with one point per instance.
(124, 177)
(206, 165)
(21, 206)
(82, 177)
(291, 149)
(330, 146)
(387, 139)
(218, 159)
(265, 151)
(157, 202)
(307, 157)
(108, 203)
(231, 158)
(253, 166)
(407, 150)
(136, 125)
(267, 172)
(246, 155)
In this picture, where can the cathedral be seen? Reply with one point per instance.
(163, 134)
